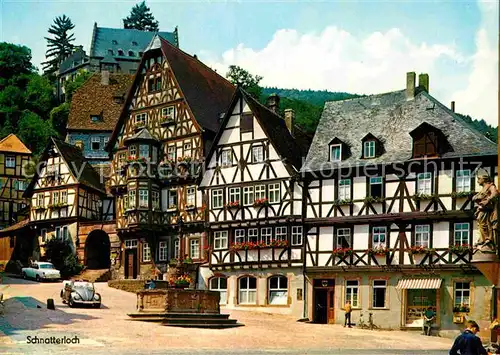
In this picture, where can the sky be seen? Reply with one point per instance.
(363, 47)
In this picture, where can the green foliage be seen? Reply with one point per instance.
(70, 86)
(59, 118)
(240, 77)
(39, 95)
(489, 131)
(60, 253)
(15, 61)
(34, 131)
(60, 46)
(141, 18)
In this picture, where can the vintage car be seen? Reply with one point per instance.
(41, 271)
(80, 293)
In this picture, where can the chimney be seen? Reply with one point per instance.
(453, 106)
(273, 102)
(410, 85)
(423, 82)
(290, 119)
(105, 77)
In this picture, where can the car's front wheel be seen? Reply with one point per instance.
(71, 303)
(25, 276)
(37, 277)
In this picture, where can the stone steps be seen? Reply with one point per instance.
(90, 275)
(188, 320)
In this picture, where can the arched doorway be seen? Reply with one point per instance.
(97, 250)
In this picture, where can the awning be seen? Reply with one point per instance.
(419, 284)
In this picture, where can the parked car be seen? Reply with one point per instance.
(41, 271)
(80, 293)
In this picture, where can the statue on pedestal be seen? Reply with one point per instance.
(486, 213)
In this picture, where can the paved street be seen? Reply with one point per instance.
(108, 330)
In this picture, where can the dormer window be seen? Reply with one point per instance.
(120, 53)
(110, 52)
(428, 141)
(130, 53)
(134, 43)
(95, 118)
(372, 147)
(336, 152)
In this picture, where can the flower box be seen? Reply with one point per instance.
(234, 204)
(261, 202)
(139, 126)
(460, 248)
(342, 202)
(167, 121)
(461, 309)
(279, 243)
(259, 245)
(420, 250)
(373, 199)
(38, 208)
(57, 205)
(378, 251)
(138, 160)
(462, 194)
(184, 160)
(342, 252)
(423, 197)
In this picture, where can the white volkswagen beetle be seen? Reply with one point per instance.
(41, 271)
(80, 293)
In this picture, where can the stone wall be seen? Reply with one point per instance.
(134, 285)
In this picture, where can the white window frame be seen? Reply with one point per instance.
(220, 240)
(461, 231)
(344, 189)
(239, 236)
(258, 154)
(266, 235)
(248, 195)
(280, 233)
(172, 152)
(226, 158)
(40, 199)
(463, 181)
(64, 197)
(333, 148)
(10, 161)
(234, 194)
(146, 252)
(143, 198)
(162, 251)
(253, 235)
(217, 198)
(141, 118)
(194, 248)
(343, 233)
(247, 295)
(172, 199)
(177, 248)
(187, 149)
(379, 284)
(218, 288)
(95, 140)
(274, 192)
(369, 149)
(281, 291)
(423, 235)
(168, 112)
(352, 288)
(55, 197)
(461, 291)
(260, 192)
(132, 151)
(21, 185)
(132, 199)
(424, 183)
(191, 196)
(297, 235)
(131, 243)
(377, 232)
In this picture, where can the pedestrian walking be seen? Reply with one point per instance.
(468, 343)
(348, 310)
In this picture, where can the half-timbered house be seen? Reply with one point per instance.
(171, 116)
(254, 209)
(14, 158)
(66, 191)
(388, 211)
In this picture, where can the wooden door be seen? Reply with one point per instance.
(131, 264)
(331, 306)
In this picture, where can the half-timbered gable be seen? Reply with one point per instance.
(400, 202)
(158, 146)
(64, 190)
(254, 208)
(14, 157)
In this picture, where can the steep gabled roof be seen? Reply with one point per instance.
(124, 39)
(95, 98)
(81, 170)
(15, 227)
(12, 144)
(207, 93)
(273, 125)
(391, 118)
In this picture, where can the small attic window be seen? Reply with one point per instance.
(335, 152)
(369, 149)
(134, 43)
(130, 53)
(114, 42)
(120, 53)
(95, 118)
(372, 147)
(110, 52)
(428, 141)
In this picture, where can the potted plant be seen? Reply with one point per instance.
(234, 204)
(261, 202)
(423, 197)
(279, 243)
(184, 160)
(342, 202)
(342, 252)
(173, 262)
(420, 249)
(379, 250)
(462, 194)
(181, 281)
(373, 199)
(460, 248)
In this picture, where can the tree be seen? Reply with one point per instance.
(39, 95)
(239, 76)
(59, 118)
(60, 46)
(60, 253)
(141, 18)
(34, 131)
(15, 62)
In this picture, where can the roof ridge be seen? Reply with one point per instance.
(262, 105)
(366, 96)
